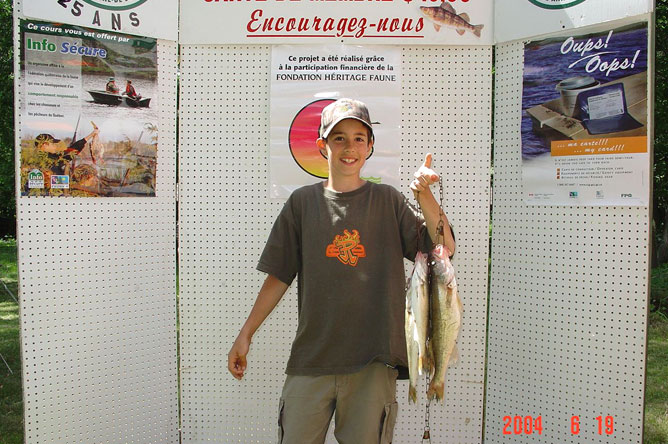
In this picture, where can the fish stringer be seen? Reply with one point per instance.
(440, 237)
(426, 435)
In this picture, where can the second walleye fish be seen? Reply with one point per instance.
(446, 318)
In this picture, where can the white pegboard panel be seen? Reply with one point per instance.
(568, 300)
(98, 310)
(225, 218)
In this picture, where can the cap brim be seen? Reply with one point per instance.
(47, 140)
(333, 124)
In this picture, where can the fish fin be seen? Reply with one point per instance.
(429, 359)
(459, 304)
(460, 31)
(454, 356)
(465, 16)
(412, 394)
(436, 27)
(448, 7)
(477, 29)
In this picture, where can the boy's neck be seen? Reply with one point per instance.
(344, 184)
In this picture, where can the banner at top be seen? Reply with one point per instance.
(149, 18)
(412, 22)
(519, 19)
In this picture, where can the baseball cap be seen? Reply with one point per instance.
(45, 138)
(603, 110)
(340, 110)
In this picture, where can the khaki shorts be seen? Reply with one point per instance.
(364, 404)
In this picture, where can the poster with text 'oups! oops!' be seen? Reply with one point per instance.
(584, 119)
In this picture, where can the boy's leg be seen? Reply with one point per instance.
(306, 408)
(366, 405)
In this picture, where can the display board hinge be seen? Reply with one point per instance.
(176, 191)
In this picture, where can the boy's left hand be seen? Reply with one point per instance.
(424, 176)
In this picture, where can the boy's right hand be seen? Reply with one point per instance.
(236, 358)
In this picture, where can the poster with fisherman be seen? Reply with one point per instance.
(304, 80)
(88, 116)
(584, 119)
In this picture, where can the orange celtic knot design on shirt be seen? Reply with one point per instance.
(347, 248)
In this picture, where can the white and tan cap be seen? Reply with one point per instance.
(340, 110)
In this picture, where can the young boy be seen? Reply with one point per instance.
(345, 240)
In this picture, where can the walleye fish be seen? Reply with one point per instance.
(446, 317)
(445, 15)
(416, 323)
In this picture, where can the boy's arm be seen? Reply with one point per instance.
(424, 177)
(271, 292)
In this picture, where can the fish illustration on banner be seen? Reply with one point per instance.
(445, 15)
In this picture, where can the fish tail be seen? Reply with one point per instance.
(436, 390)
(477, 29)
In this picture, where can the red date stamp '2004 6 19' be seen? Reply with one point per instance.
(528, 425)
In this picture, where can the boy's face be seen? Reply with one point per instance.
(346, 148)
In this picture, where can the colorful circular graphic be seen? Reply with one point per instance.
(302, 137)
(115, 5)
(555, 4)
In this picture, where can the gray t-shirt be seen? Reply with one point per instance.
(347, 250)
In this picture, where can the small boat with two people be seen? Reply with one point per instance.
(111, 96)
(107, 98)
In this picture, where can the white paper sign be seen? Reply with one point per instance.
(404, 22)
(518, 19)
(305, 79)
(150, 18)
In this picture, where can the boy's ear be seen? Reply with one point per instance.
(370, 149)
(322, 147)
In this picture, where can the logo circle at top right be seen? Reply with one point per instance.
(555, 4)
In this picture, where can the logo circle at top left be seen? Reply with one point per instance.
(115, 5)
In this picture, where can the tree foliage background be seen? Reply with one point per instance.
(7, 200)
(660, 227)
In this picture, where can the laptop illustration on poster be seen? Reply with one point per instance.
(603, 110)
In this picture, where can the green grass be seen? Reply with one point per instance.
(656, 390)
(11, 401)
(11, 398)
